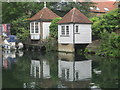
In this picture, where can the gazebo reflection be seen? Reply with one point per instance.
(74, 70)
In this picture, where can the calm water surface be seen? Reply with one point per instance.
(32, 69)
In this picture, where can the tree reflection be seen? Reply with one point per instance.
(109, 72)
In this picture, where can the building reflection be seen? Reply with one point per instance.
(9, 58)
(74, 70)
(40, 69)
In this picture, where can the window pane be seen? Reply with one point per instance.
(63, 30)
(67, 30)
(36, 27)
(32, 27)
(76, 29)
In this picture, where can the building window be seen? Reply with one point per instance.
(77, 76)
(91, 8)
(32, 27)
(106, 9)
(76, 30)
(63, 73)
(67, 30)
(36, 27)
(63, 30)
(97, 8)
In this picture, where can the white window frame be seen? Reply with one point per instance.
(62, 30)
(34, 28)
(37, 27)
(65, 31)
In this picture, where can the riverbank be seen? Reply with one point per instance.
(93, 47)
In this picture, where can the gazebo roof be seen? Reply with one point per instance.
(45, 14)
(74, 16)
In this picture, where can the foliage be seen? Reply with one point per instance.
(110, 44)
(20, 27)
(65, 7)
(108, 22)
(54, 28)
(109, 68)
(13, 10)
(51, 44)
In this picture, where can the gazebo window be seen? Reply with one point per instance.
(67, 30)
(36, 27)
(32, 27)
(76, 29)
(63, 30)
(77, 76)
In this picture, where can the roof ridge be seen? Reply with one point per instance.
(72, 18)
(41, 14)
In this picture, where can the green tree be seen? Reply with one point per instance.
(14, 10)
(20, 27)
(61, 8)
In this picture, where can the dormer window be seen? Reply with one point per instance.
(91, 8)
(106, 9)
(97, 8)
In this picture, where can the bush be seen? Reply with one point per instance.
(108, 22)
(51, 45)
(54, 28)
(110, 44)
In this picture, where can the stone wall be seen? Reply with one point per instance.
(66, 47)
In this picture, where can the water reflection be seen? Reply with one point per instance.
(9, 58)
(40, 69)
(72, 70)
(56, 70)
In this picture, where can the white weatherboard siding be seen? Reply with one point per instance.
(84, 69)
(66, 38)
(84, 34)
(82, 37)
(46, 29)
(35, 36)
(77, 70)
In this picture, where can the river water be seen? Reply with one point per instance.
(33, 69)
